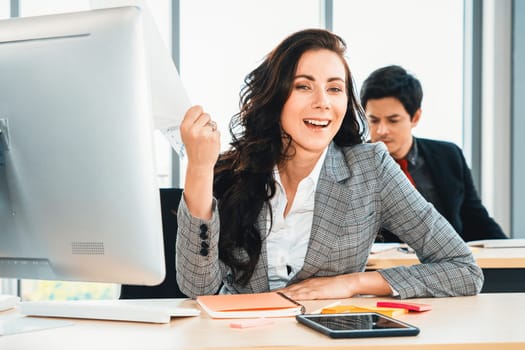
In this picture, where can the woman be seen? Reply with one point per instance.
(297, 201)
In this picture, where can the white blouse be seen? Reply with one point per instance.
(288, 239)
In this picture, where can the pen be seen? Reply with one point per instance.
(303, 309)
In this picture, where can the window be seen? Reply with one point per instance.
(37, 8)
(4, 9)
(222, 41)
(426, 38)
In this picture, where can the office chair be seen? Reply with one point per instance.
(169, 202)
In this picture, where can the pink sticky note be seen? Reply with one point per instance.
(252, 322)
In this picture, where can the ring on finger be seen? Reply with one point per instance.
(212, 124)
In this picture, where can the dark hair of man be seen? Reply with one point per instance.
(393, 81)
(244, 180)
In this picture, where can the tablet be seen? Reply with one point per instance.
(357, 325)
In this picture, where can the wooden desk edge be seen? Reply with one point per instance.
(455, 346)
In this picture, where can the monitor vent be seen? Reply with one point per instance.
(87, 248)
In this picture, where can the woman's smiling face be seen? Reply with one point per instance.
(314, 111)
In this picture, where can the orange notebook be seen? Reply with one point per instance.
(271, 304)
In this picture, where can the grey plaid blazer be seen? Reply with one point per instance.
(360, 189)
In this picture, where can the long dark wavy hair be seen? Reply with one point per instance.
(244, 180)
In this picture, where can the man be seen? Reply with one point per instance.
(392, 98)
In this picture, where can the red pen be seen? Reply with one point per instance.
(405, 305)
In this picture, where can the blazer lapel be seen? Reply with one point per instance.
(259, 280)
(329, 190)
(441, 175)
(431, 160)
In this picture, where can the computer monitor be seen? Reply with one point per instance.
(79, 198)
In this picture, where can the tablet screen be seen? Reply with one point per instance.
(357, 322)
(357, 325)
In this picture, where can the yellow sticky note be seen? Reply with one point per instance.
(388, 311)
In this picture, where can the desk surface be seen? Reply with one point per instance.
(486, 258)
(486, 321)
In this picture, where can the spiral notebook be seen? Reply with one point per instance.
(270, 304)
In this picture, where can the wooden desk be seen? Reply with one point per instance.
(485, 257)
(486, 321)
(504, 268)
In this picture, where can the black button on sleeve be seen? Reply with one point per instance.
(204, 236)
